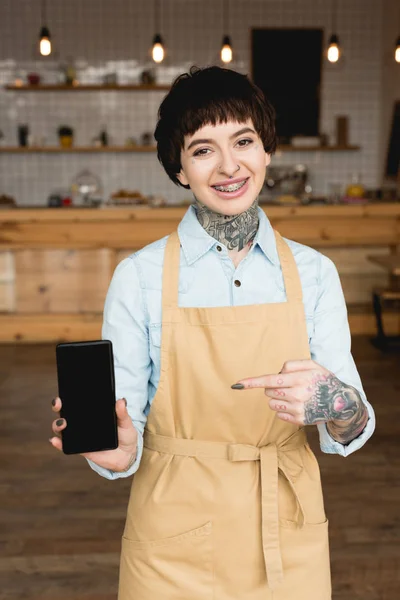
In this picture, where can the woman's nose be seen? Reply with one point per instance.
(228, 165)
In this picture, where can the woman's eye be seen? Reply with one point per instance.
(200, 152)
(247, 140)
(204, 151)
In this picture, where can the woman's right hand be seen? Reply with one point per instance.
(115, 460)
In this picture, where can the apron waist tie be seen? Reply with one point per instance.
(270, 462)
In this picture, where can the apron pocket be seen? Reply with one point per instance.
(174, 568)
(303, 470)
(305, 560)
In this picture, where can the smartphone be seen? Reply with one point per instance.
(86, 386)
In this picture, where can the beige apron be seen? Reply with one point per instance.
(227, 502)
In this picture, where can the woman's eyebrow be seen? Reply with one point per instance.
(209, 140)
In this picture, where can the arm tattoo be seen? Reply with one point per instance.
(339, 404)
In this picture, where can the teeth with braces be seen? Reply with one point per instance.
(230, 188)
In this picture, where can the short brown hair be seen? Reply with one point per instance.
(206, 97)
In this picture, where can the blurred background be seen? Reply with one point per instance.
(81, 188)
(347, 105)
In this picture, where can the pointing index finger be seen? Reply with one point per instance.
(264, 381)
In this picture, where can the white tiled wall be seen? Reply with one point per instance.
(104, 35)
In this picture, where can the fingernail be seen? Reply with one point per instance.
(237, 386)
(54, 401)
(59, 422)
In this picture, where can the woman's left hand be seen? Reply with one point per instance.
(305, 393)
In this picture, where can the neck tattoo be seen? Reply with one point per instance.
(235, 231)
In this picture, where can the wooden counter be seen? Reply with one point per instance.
(56, 264)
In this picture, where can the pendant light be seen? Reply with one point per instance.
(226, 50)
(397, 47)
(44, 36)
(333, 52)
(158, 51)
(397, 51)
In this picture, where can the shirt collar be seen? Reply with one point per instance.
(195, 240)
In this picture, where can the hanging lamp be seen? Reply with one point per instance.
(226, 50)
(397, 46)
(44, 36)
(333, 51)
(157, 51)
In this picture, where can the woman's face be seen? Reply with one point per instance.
(213, 154)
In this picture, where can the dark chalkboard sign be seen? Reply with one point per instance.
(286, 65)
(393, 155)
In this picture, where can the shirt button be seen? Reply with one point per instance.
(237, 283)
(219, 248)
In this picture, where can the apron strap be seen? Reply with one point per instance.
(291, 277)
(170, 283)
(270, 462)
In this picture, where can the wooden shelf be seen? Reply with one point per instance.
(86, 87)
(74, 149)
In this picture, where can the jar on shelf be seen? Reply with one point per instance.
(66, 136)
(355, 189)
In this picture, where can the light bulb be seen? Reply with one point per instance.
(158, 49)
(333, 53)
(397, 51)
(45, 47)
(45, 43)
(158, 53)
(226, 50)
(226, 54)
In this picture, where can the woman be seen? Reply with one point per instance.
(227, 502)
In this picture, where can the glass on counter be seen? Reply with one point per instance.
(87, 189)
(335, 192)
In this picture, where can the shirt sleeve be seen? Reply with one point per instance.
(330, 346)
(124, 323)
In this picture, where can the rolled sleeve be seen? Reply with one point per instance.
(125, 324)
(108, 474)
(330, 346)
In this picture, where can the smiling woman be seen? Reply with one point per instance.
(227, 498)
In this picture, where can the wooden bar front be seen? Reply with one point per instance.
(56, 264)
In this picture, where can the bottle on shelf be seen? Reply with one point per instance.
(355, 189)
(103, 136)
(23, 133)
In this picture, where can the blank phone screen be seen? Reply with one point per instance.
(86, 387)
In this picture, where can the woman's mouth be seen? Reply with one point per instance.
(233, 190)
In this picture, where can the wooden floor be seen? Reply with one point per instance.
(61, 523)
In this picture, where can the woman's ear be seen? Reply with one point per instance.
(182, 177)
(267, 159)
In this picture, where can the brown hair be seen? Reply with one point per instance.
(206, 97)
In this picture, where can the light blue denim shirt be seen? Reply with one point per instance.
(132, 313)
